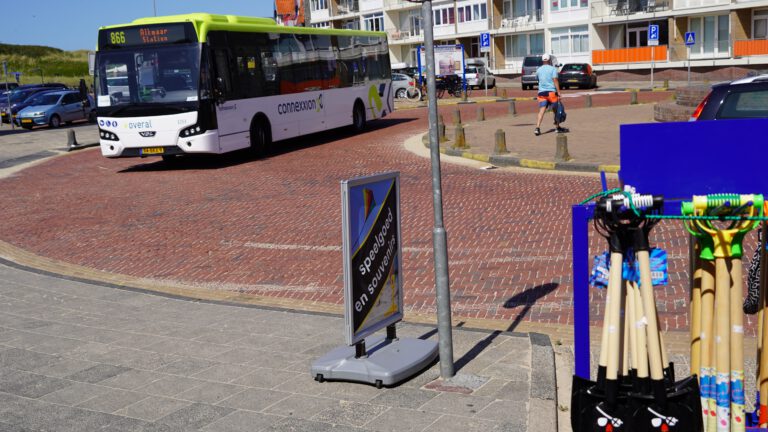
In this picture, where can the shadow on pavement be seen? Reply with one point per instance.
(207, 161)
(527, 299)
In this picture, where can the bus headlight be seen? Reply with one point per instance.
(107, 135)
(192, 131)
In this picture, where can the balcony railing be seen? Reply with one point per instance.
(348, 7)
(750, 47)
(684, 4)
(404, 33)
(511, 21)
(599, 9)
(630, 55)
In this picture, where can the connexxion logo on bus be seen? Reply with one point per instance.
(299, 106)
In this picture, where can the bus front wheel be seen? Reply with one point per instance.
(358, 117)
(261, 136)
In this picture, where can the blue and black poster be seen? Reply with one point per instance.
(372, 272)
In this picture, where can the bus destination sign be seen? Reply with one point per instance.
(146, 35)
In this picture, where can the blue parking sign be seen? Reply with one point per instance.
(690, 38)
(485, 39)
(653, 32)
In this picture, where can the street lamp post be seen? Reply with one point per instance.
(439, 235)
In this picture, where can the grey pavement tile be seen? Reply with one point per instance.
(97, 373)
(507, 371)
(132, 379)
(404, 397)
(30, 385)
(224, 372)
(56, 345)
(506, 411)
(138, 359)
(450, 423)
(402, 420)
(348, 391)
(456, 403)
(194, 416)
(350, 413)
(138, 340)
(277, 360)
(261, 341)
(302, 383)
(152, 408)
(514, 391)
(221, 337)
(300, 425)
(91, 351)
(74, 394)
(301, 406)
(253, 399)
(242, 421)
(238, 355)
(492, 388)
(186, 366)
(112, 401)
(423, 378)
(265, 378)
(24, 359)
(170, 386)
(211, 393)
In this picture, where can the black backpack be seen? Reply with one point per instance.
(559, 112)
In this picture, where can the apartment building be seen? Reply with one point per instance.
(731, 35)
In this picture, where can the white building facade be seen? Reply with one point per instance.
(612, 35)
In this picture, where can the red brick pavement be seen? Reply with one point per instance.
(272, 226)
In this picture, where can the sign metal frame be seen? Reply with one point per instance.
(353, 292)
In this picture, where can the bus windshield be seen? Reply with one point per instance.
(148, 75)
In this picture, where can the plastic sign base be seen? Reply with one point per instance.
(387, 361)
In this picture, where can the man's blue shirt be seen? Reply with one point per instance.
(546, 75)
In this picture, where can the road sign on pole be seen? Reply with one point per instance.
(690, 38)
(653, 32)
(485, 42)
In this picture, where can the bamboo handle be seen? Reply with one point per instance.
(722, 344)
(695, 309)
(649, 305)
(738, 422)
(640, 334)
(707, 371)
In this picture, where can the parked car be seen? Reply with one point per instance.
(476, 76)
(400, 84)
(53, 108)
(530, 64)
(743, 98)
(21, 94)
(10, 86)
(577, 74)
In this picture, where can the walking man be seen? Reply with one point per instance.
(549, 91)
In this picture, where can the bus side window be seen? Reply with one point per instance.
(326, 58)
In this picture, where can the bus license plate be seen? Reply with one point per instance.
(152, 150)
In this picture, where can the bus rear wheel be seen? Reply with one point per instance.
(261, 136)
(358, 117)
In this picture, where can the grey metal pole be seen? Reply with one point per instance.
(439, 235)
(652, 64)
(688, 48)
(154, 7)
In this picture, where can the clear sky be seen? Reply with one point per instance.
(73, 24)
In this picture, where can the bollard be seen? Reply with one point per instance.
(512, 108)
(441, 132)
(440, 119)
(633, 101)
(504, 93)
(71, 139)
(459, 140)
(588, 101)
(495, 91)
(457, 117)
(464, 95)
(666, 84)
(501, 143)
(561, 151)
(480, 114)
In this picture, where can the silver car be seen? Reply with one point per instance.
(477, 75)
(55, 108)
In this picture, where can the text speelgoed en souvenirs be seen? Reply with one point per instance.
(373, 262)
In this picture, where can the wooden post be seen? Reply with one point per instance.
(512, 108)
(459, 140)
(480, 114)
(588, 101)
(561, 151)
(633, 101)
(457, 116)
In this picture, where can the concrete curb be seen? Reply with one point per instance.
(542, 412)
(512, 161)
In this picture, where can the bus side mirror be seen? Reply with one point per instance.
(220, 90)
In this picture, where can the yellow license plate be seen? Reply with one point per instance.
(152, 150)
(573, 80)
(26, 120)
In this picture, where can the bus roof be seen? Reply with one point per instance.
(205, 22)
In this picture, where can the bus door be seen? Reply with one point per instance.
(232, 122)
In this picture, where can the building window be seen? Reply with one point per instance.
(712, 35)
(516, 46)
(374, 22)
(569, 4)
(325, 24)
(760, 24)
(351, 25)
(444, 16)
(571, 40)
(474, 12)
(318, 4)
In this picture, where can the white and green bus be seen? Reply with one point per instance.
(203, 83)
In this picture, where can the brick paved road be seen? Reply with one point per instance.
(272, 226)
